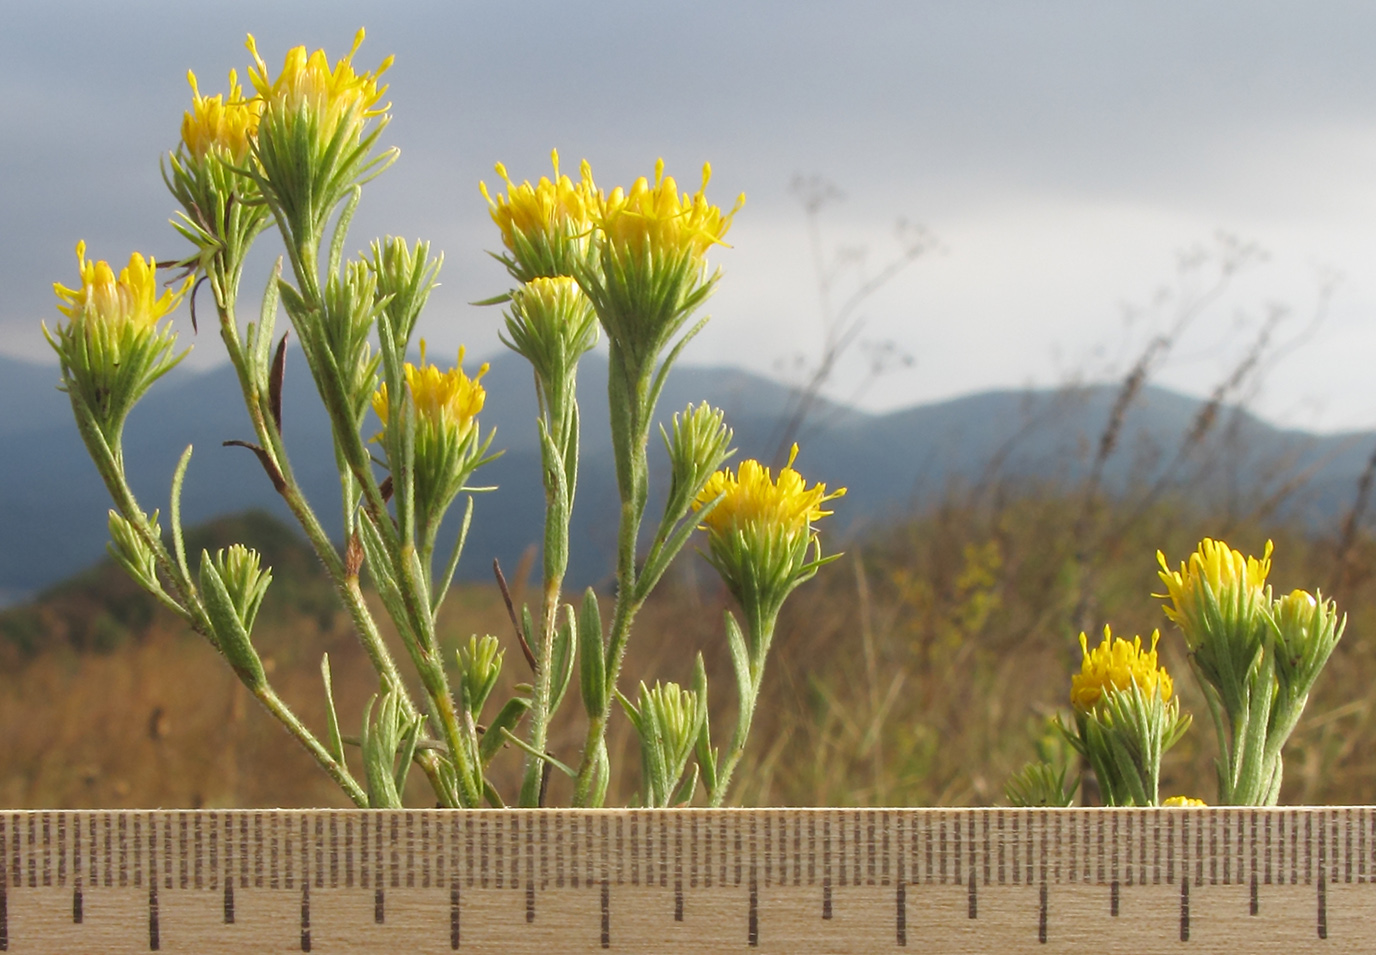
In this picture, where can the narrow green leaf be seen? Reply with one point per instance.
(175, 513)
(506, 719)
(336, 740)
(519, 743)
(561, 666)
(592, 656)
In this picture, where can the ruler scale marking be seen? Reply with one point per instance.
(866, 852)
(1322, 890)
(454, 915)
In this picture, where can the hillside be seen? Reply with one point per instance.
(55, 522)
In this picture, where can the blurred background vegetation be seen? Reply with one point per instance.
(920, 669)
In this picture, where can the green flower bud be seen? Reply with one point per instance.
(1307, 630)
(404, 279)
(127, 547)
(698, 443)
(551, 324)
(229, 609)
(481, 664)
(669, 721)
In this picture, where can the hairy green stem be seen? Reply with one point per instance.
(759, 636)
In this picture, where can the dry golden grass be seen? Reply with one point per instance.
(917, 670)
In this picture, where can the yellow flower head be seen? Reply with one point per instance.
(1184, 801)
(225, 123)
(754, 502)
(1115, 664)
(114, 304)
(549, 210)
(1229, 576)
(656, 219)
(308, 88)
(443, 399)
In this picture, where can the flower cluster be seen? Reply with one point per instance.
(1116, 664)
(111, 347)
(648, 221)
(1125, 718)
(308, 91)
(447, 401)
(546, 226)
(1256, 657)
(293, 149)
(224, 124)
(753, 502)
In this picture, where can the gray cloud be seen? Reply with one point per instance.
(1099, 136)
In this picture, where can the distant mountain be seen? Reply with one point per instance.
(54, 522)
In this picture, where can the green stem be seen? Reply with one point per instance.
(760, 636)
(338, 772)
(346, 584)
(109, 461)
(559, 443)
(631, 410)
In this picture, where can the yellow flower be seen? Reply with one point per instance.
(1114, 665)
(549, 211)
(111, 348)
(1230, 577)
(308, 88)
(656, 219)
(227, 123)
(755, 502)
(443, 399)
(1184, 801)
(114, 305)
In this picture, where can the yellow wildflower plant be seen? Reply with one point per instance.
(759, 530)
(225, 124)
(1214, 576)
(546, 226)
(111, 347)
(753, 502)
(308, 88)
(110, 304)
(1116, 664)
(444, 400)
(1183, 802)
(657, 220)
(1126, 717)
(315, 139)
(434, 446)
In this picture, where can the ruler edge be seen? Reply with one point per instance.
(1014, 841)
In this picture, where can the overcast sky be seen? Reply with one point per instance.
(1063, 153)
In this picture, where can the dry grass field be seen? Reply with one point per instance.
(920, 669)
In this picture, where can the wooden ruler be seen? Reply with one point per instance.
(777, 880)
